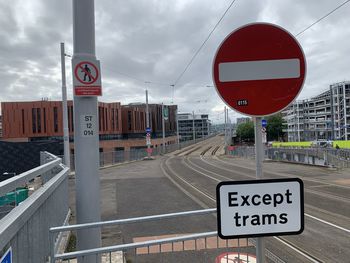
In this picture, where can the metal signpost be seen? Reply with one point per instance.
(64, 109)
(87, 85)
(148, 130)
(163, 127)
(258, 70)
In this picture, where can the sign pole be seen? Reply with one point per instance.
(64, 109)
(177, 129)
(163, 127)
(86, 137)
(259, 155)
(147, 126)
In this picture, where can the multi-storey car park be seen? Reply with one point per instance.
(323, 117)
(188, 121)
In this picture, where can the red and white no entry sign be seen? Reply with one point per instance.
(259, 69)
(86, 77)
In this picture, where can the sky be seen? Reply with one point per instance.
(147, 44)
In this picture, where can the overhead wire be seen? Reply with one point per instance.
(323, 17)
(204, 42)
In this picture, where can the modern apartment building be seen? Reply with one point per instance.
(324, 117)
(187, 121)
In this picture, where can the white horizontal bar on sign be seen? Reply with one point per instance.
(259, 70)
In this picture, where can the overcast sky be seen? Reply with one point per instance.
(139, 41)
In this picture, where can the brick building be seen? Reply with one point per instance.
(134, 120)
(120, 127)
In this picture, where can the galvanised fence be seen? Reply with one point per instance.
(330, 157)
(115, 157)
(195, 247)
(24, 229)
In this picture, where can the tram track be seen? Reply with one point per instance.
(280, 175)
(211, 198)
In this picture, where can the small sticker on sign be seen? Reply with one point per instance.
(242, 102)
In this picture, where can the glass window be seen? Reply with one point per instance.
(55, 119)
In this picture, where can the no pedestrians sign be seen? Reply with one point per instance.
(260, 208)
(86, 77)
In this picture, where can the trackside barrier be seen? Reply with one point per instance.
(204, 247)
(339, 158)
(25, 228)
(115, 157)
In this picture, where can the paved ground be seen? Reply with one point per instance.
(140, 189)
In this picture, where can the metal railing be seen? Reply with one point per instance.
(152, 248)
(339, 158)
(115, 157)
(25, 227)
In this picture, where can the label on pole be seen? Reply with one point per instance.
(259, 69)
(260, 208)
(264, 137)
(263, 123)
(88, 125)
(7, 257)
(148, 130)
(86, 77)
(148, 140)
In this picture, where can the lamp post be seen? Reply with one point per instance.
(64, 109)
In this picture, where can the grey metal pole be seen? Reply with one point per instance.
(225, 128)
(193, 128)
(87, 181)
(177, 129)
(147, 125)
(259, 155)
(64, 109)
(163, 127)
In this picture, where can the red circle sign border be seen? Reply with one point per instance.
(77, 76)
(301, 79)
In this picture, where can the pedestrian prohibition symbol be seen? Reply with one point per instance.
(86, 77)
(86, 72)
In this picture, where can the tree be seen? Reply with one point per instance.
(245, 131)
(275, 127)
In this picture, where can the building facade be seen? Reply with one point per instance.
(120, 127)
(324, 117)
(187, 121)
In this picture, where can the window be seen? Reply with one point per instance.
(55, 119)
(44, 120)
(129, 120)
(23, 127)
(34, 120)
(113, 119)
(38, 113)
(117, 118)
(99, 119)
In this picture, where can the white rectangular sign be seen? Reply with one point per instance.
(260, 208)
(259, 70)
(88, 125)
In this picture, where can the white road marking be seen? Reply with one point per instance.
(259, 70)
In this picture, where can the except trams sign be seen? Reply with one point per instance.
(260, 208)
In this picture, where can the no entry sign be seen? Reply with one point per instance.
(260, 208)
(86, 77)
(259, 69)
